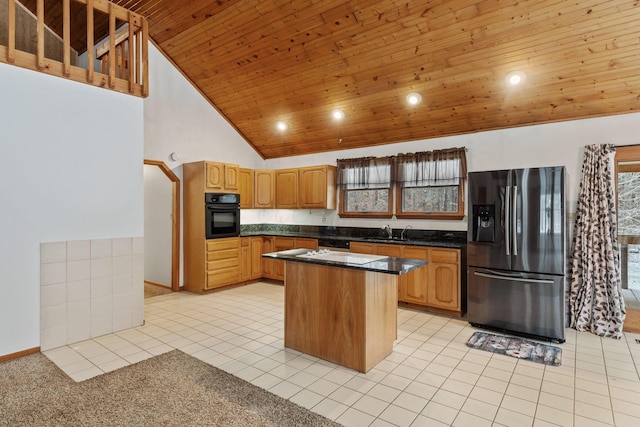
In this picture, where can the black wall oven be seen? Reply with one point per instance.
(222, 215)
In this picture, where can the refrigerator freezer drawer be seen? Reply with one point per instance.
(525, 304)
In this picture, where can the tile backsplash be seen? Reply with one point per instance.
(90, 288)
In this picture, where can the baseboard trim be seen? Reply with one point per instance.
(19, 354)
(148, 282)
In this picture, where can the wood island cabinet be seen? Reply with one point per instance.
(437, 285)
(245, 187)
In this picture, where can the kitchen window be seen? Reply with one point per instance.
(365, 187)
(430, 184)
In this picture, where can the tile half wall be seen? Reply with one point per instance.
(90, 288)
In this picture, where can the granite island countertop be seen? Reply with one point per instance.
(375, 263)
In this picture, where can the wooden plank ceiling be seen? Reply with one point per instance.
(296, 60)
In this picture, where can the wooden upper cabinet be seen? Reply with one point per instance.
(221, 177)
(264, 189)
(317, 187)
(245, 187)
(286, 188)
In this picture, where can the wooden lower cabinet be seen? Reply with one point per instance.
(286, 243)
(223, 262)
(444, 279)
(268, 270)
(250, 258)
(437, 285)
(256, 257)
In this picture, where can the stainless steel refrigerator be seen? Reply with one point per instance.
(516, 251)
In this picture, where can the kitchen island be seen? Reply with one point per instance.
(342, 307)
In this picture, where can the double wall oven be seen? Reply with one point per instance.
(222, 215)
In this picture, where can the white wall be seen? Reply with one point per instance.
(553, 144)
(178, 119)
(158, 201)
(72, 170)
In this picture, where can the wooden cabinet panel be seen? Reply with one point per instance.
(415, 283)
(286, 188)
(245, 187)
(221, 177)
(264, 189)
(362, 248)
(231, 178)
(268, 270)
(306, 243)
(435, 285)
(256, 257)
(214, 176)
(444, 280)
(390, 250)
(245, 258)
(317, 187)
(223, 262)
(281, 244)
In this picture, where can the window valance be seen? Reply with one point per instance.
(364, 173)
(431, 168)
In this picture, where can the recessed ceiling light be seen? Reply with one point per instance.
(338, 114)
(414, 98)
(515, 78)
(282, 126)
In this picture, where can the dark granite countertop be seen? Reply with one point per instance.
(388, 265)
(340, 237)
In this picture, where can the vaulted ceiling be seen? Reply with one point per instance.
(259, 62)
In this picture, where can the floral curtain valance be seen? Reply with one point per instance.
(431, 168)
(364, 173)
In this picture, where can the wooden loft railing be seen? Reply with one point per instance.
(122, 56)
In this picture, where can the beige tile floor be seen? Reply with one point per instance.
(430, 379)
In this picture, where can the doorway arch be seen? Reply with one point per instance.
(175, 221)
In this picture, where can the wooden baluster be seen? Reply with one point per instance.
(66, 37)
(131, 45)
(90, 42)
(112, 55)
(145, 58)
(138, 54)
(40, 34)
(11, 48)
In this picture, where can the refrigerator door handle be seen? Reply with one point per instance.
(513, 279)
(507, 220)
(514, 220)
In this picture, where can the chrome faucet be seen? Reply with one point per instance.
(388, 230)
(405, 229)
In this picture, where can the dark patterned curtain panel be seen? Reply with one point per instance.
(431, 168)
(596, 301)
(364, 172)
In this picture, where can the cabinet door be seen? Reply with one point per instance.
(245, 188)
(256, 257)
(287, 188)
(264, 189)
(214, 176)
(444, 279)
(415, 282)
(245, 259)
(317, 187)
(362, 248)
(267, 263)
(231, 179)
(281, 244)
